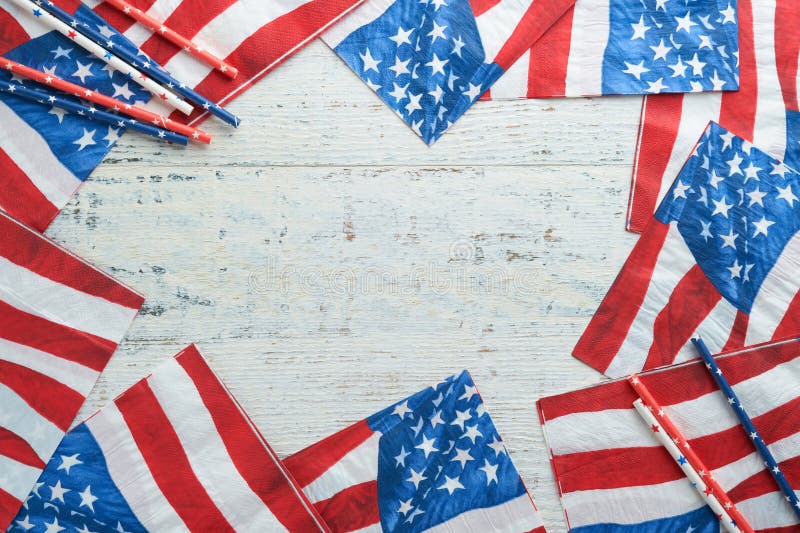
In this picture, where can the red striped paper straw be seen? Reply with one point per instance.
(106, 101)
(174, 37)
(713, 493)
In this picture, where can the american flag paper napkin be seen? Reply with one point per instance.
(175, 452)
(603, 47)
(45, 152)
(432, 462)
(615, 477)
(60, 321)
(430, 60)
(718, 260)
(764, 111)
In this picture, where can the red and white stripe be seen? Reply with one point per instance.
(186, 457)
(254, 36)
(340, 477)
(769, 47)
(643, 322)
(60, 321)
(611, 469)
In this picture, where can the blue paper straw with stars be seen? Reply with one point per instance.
(50, 98)
(744, 418)
(143, 63)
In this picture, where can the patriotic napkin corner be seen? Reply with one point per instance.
(432, 462)
(718, 260)
(430, 60)
(630, 47)
(46, 153)
(175, 452)
(763, 111)
(60, 322)
(614, 475)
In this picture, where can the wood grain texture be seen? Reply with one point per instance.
(328, 263)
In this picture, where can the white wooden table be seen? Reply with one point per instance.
(328, 263)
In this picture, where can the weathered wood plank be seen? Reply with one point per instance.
(328, 265)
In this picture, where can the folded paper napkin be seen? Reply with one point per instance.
(614, 476)
(60, 321)
(630, 47)
(175, 452)
(432, 462)
(719, 259)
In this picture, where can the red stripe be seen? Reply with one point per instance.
(62, 341)
(272, 44)
(70, 6)
(547, 69)
(33, 252)
(789, 325)
(616, 468)
(738, 108)
(352, 509)
(116, 18)
(540, 16)
(689, 304)
(50, 398)
(539, 529)
(738, 332)
(18, 449)
(661, 118)
(188, 19)
(310, 463)
(763, 482)
(20, 198)
(255, 461)
(609, 327)
(694, 379)
(479, 7)
(9, 506)
(162, 451)
(11, 33)
(787, 50)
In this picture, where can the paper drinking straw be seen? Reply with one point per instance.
(149, 67)
(174, 37)
(673, 440)
(691, 474)
(50, 98)
(43, 14)
(112, 103)
(747, 423)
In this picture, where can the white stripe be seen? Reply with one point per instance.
(674, 261)
(41, 296)
(74, 375)
(25, 19)
(512, 516)
(496, 25)
(696, 111)
(129, 472)
(206, 451)
(374, 528)
(702, 416)
(246, 16)
(360, 465)
(769, 131)
(24, 421)
(367, 13)
(731, 475)
(715, 331)
(34, 157)
(768, 511)
(775, 294)
(16, 478)
(614, 506)
(514, 82)
(590, 30)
